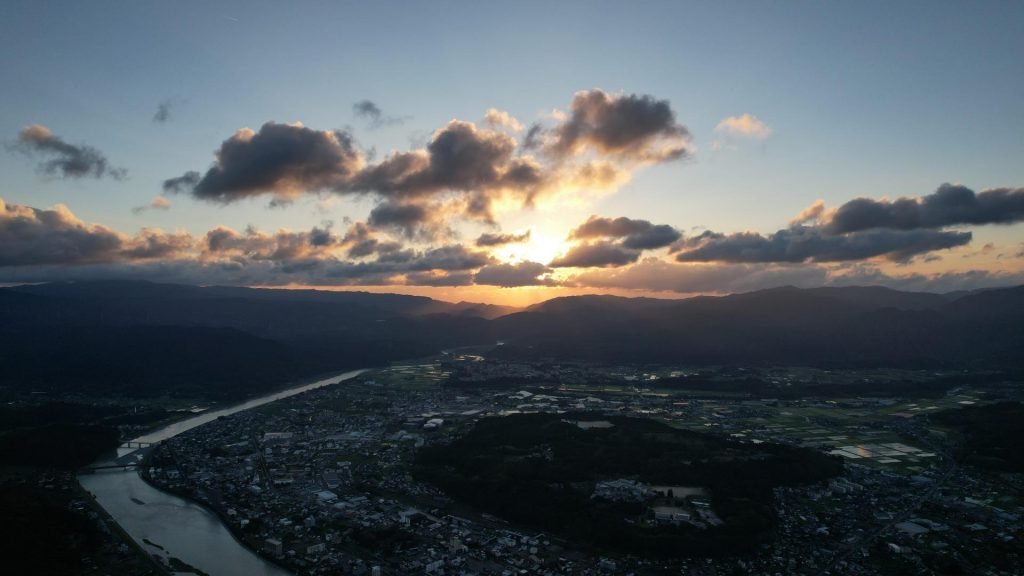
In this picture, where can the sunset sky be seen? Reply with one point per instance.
(514, 152)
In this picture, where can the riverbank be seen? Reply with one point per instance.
(219, 406)
(189, 527)
(125, 538)
(221, 515)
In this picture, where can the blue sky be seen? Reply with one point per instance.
(862, 98)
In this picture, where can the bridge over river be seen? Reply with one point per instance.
(131, 453)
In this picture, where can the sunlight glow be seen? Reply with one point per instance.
(540, 248)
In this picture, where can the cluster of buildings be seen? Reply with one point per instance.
(323, 482)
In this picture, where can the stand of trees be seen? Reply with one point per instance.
(540, 470)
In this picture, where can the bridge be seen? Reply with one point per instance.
(125, 466)
(126, 462)
(135, 444)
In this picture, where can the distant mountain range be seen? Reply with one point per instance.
(139, 338)
(854, 326)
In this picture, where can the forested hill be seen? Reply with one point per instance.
(140, 338)
(854, 326)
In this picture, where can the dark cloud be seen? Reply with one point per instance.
(284, 245)
(368, 110)
(286, 160)
(163, 112)
(597, 227)
(488, 239)
(55, 236)
(596, 254)
(657, 236)
(282, 159)
(153, 243)
(452, 257)
(184, 183)
(65, 160)
(31, 236)
(409, 218)
(459, 157)
(626, 126)
(636, 234)
(322, 236)
(533, 137)
(950, 205)
(810, 244)
(361, 241)
(512, 275)
(462, 171)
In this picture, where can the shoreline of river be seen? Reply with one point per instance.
(154, 434)
(216, 511)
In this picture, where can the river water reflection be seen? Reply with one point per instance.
(185, 530)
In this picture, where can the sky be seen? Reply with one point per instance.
(513, 152)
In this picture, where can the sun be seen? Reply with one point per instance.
(542, 248)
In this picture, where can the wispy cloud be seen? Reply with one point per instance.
(745, 126)
(64, 159)
(157, 203)
(368, 110)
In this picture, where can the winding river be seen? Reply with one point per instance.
(182, 528)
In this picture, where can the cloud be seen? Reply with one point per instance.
(452, 257)
(361, 240)
(184, 183)
(65, 160)
(512, 275)
(153, 243)
(636, 234)
(164, 111)
(458, 157)
(157, 203)
(282, 159)
(54, 244)
(410, 218)
(534, 136)
(596, 227)
(745, 126)
(439, 279)
(811, 244)
(55, 236)
(283, 245)
(950, 205)
(657, 236)
(368, 110)
(811, 214)
(625, 126)
(469, 171)
(501, 120)
(653, 274)
(596, 254)
(478, 165)
(488, 239)
(694, 278)
(940, 282)
(30, 236)
(322, 236)
(286, 160)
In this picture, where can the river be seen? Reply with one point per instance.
(184, 529)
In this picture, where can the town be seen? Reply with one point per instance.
(323, 482)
